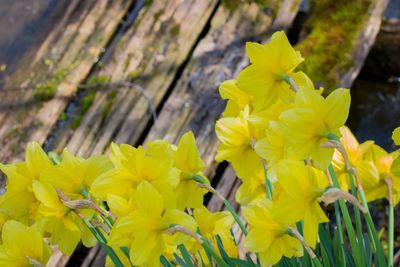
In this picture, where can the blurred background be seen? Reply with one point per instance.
(83, 73)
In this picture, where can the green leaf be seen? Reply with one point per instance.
(208, 248)
(185, 255)
(221, 249)
(179, 260)
(165, 262)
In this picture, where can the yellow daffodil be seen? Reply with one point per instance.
(355, 153)
(396, 163)
(237, 146)
(251, 192)
(65, 227)
(375, 184)
(308, 125)
(22, 246)
(210, 225)
(268, 237)
(19, 202)
(75, 175)
(302, 187)
(237, 99)
(273, 148)
(188, 161)
(396, 136)
(271, 65)
(260, 120)
(148, 225)
(134, 165)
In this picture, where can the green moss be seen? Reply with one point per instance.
(127, 61)
(47, 89)
(76, 122)
(133, 75)
(158, 14)
(97, 80)
(109, 103)
(233, 5)
(175, 30)
(333, 29)
(85, 104)
(62, 117)
(87, 101)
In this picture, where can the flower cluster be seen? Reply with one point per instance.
(136, 197)
(280, 135)
(145, 205)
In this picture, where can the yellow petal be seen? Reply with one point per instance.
(149, 199)
(36, 159)
(337, 106)
(187, 156)
(396, 136)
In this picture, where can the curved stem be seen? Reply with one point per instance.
(388, 181)
(227, 205)
(309, 250)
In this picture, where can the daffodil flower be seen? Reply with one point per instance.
(134, 165)
(211, 225)
(355, 156)
(22, 246)
(268, 237)
(237, 98)
(302, 187)
(308, 125)
(148, 226)
(19, 201)
(75, 175)
(271, 64)
(189, 162)
(64, 226)
(375, 184)
(237, 146)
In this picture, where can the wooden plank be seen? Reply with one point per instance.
(70, 53)
(337, 38)
(153, 49)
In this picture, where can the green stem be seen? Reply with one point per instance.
(347, 221)
(210, 250)
(357, 215)
(372, 231)
(268, 185)
(235, 216)
(227, 205)
(340, 229)
(103, 243)
(391, 234)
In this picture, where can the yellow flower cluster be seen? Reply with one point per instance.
(145, 205)
(375, 166)
(276, 124)
(148, 192)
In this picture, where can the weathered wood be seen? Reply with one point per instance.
(71, 51)
(153, 49)
(337, 39)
